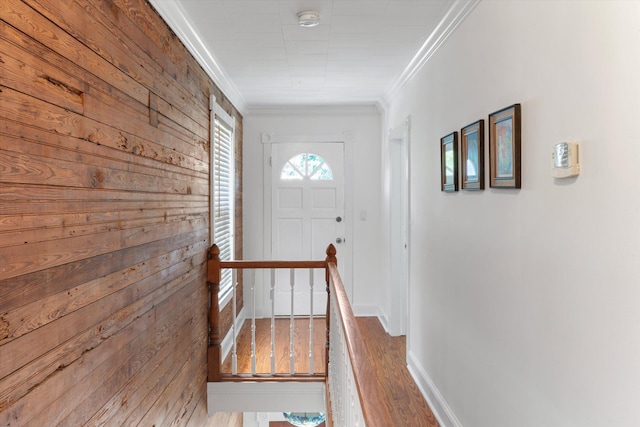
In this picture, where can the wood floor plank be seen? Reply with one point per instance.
(225, 419)
(282, 350)
(402, 397)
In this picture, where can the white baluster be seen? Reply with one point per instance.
(292, 280)
(343, 373)
(273, 321)
(335, 361)
(311, 367)
(253, 321)
(352, 392)
(331, 366)
(234, 355)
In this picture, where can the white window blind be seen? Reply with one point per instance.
(223, 194)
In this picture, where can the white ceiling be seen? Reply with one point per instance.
(355, 56)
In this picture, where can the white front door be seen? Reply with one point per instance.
(307, 202)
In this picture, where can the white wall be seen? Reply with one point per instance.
(364, 124)
(524, 304)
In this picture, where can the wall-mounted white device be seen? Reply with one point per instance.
(566, 160)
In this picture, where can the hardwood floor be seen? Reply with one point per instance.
(225, 419)
(406, 405)
(402, 397)
(263, 346)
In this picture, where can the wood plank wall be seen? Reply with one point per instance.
(104, 166)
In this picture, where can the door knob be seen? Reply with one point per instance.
(338, 219)
(339, 240)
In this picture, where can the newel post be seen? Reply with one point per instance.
(214, 350)
(331, 258)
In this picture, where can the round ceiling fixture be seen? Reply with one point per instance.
(304, 419)
(308, 18)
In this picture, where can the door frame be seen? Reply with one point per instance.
(399, 261)
(347, 138)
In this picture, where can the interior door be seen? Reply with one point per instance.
(307, 215)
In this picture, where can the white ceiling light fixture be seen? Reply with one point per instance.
(308, 19)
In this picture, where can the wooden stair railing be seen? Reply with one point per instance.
(347, 360)
(353, 390)
(215, 357)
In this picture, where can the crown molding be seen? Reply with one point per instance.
(456, 14)
(174, 15)
(313, 110)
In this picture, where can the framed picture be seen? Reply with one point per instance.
(504, 147)
(472, 155)
(449, 162)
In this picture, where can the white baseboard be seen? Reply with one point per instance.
(384, 319)
(227, 342)
(432, 395)
(365, 310)
(371, 311)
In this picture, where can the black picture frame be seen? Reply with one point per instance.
(472, 156)
(505, 148)
(449, 162)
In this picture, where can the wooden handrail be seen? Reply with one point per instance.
(272, 264)
(369, 389)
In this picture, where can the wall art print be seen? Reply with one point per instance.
(472, 155)
(504, 147)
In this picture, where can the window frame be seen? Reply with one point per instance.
(314, 174)
(220, 119)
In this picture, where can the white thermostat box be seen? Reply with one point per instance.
(566, 160)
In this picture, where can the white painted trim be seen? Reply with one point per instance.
(216, 111)
(175, 17)
(349, 196)
(319, 110)
(270, 138)
(372, 311)
(368, 310)
(266, 397)
(437, 403)
(459, 10)
(227, 342)
(399, 228)
(221, 114)
(226, 299)
(266, 214)
(409, 232)
(384, 319)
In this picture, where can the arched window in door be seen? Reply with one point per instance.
(306, 166)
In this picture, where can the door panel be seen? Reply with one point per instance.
(304, 212)
(289, 199)
(287, 232)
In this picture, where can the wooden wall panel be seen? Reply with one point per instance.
(104, 216)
